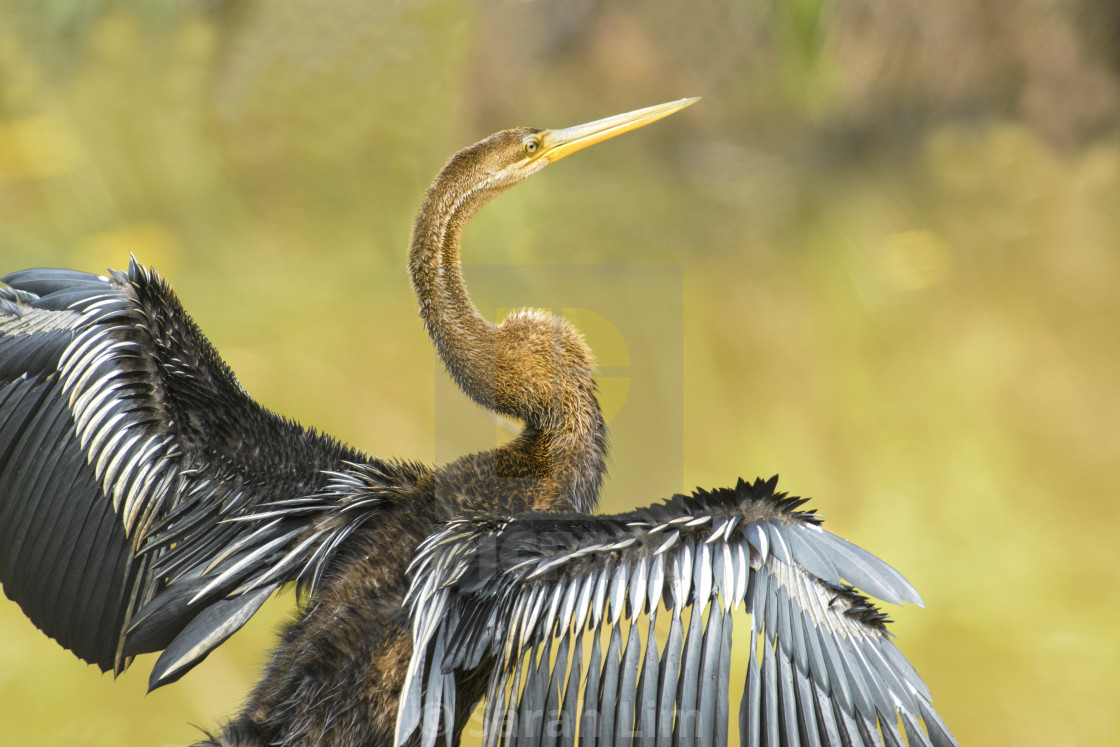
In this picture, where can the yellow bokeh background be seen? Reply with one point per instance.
(897, 229)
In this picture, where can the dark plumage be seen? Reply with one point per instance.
(493, 593)
(148, 504)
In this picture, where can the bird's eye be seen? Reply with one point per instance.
(531, 145)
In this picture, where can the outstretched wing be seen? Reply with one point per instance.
(516, 602)
(127, 448)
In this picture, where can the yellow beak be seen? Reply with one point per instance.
(557, 144)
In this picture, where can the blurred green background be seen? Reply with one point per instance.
(895, 228)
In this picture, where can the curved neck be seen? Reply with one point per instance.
(531, 366)
(464, 339)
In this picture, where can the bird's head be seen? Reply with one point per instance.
(510, 156)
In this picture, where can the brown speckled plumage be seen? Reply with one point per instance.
(336, 676)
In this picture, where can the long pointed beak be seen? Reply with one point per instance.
(560, 143)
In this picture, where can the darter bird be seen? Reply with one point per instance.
(147, 503)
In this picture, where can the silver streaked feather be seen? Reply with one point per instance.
(139, 387)
(816, 670)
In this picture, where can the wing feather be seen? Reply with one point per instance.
(608, 689)
(670, 676)
(553, 724)
(589, 718)
(820, 666)
(806, 709)
(126, 448)
(750, 707)
(646, 717)
(628, 687)
(768, 713)
(571, 694)
(709, 693)
(687, 724)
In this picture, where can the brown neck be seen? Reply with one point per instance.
(532, 366)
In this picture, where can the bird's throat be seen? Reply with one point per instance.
(532, 366)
